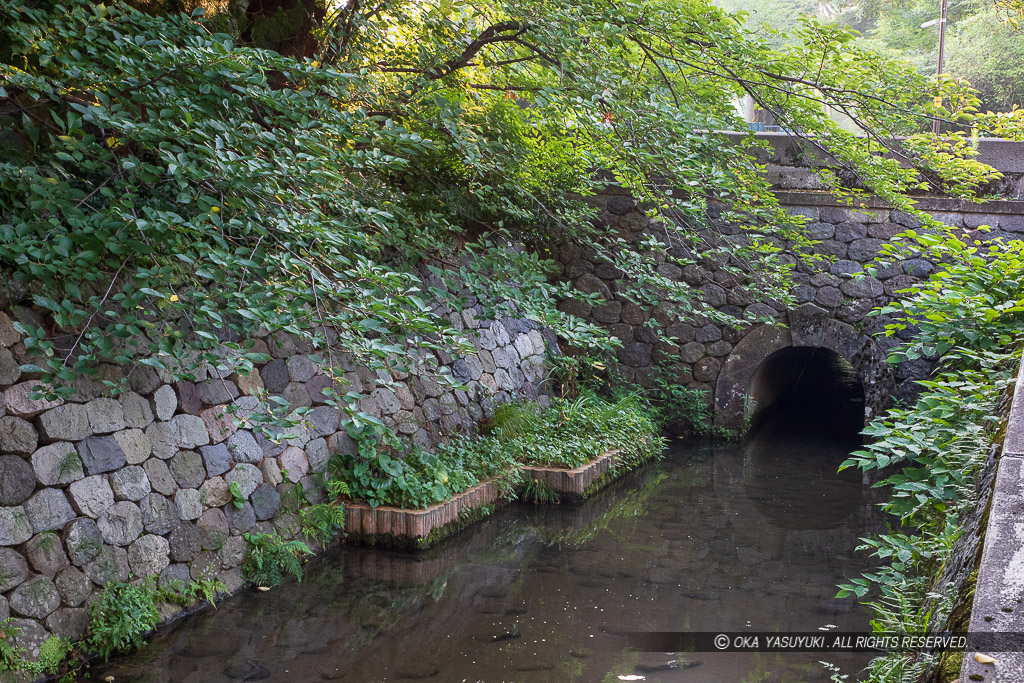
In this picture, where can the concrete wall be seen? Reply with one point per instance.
(99, 488)
(999, 589)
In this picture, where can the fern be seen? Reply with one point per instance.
(323, 521)
(271, 557)
(120, 618)
(11, 656)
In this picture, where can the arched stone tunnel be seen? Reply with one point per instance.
(810, 360)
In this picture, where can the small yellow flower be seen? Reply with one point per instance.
(214, 209)
(174, 297)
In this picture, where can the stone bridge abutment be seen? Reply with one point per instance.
(832, 302)
(808, 326)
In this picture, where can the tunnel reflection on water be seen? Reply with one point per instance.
(809, 409)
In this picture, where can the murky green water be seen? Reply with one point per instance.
(748, 538)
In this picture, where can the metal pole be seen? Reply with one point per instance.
(942, 51)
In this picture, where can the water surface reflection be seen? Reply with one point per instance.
(753, 537)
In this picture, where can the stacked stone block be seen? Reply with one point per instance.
(849, 241)
(99, 488)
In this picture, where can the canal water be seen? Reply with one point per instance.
(748, 538)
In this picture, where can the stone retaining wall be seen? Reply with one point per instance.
(851, 237)
(98, 488)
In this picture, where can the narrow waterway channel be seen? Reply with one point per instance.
(746, 538)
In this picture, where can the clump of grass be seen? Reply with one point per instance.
(572, 432)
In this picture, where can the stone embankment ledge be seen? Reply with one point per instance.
(578, 483)
(999, 593)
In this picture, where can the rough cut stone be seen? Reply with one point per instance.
(189, 431)
(36, 598)
(216, 458)
(240, 519)
(849, 231)
(8, 335)
(166, 402)
(294, 464)
(250, 384)
(845, 268)
(18, 402)
(317, 387)
(217, 391)
(174, 577)
(830, 297)
(820, 231)
(17, 480)
(324, 420)
(137, 412)
(220, 424)
(69, 422)
(187, 469)
(275, 376)
(144, 380)
(101, 454)
(206, 566)
(48, 509)
(15, 526)
(318, 454)
(266, 502)
(865, 287)
(184, 542)
(271, 471)
(247, 476)
(68, 622)
(57, 464)
(135, 445)
(301, 368)
(213, 529)
(17, 436)
(342, 443)
(105, 415)
(190, 503)
(233, 552)
(635, 354)
(214, 492)
(91, 496)
(73, 585)
(160, 476)
(244, 447)
(162, 439)
(188, 397)
(692, 352)
(10, 370)
(30, 638)
(296, 395)
(130, 483)
(46, 554)
(148, 555)
(864, 249)
(13, 569)
(111, 564)
(121, 523)
(83, 540)
(917, 267)
(620, 205)
(159, 515)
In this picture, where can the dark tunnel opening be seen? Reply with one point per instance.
(807, 390)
